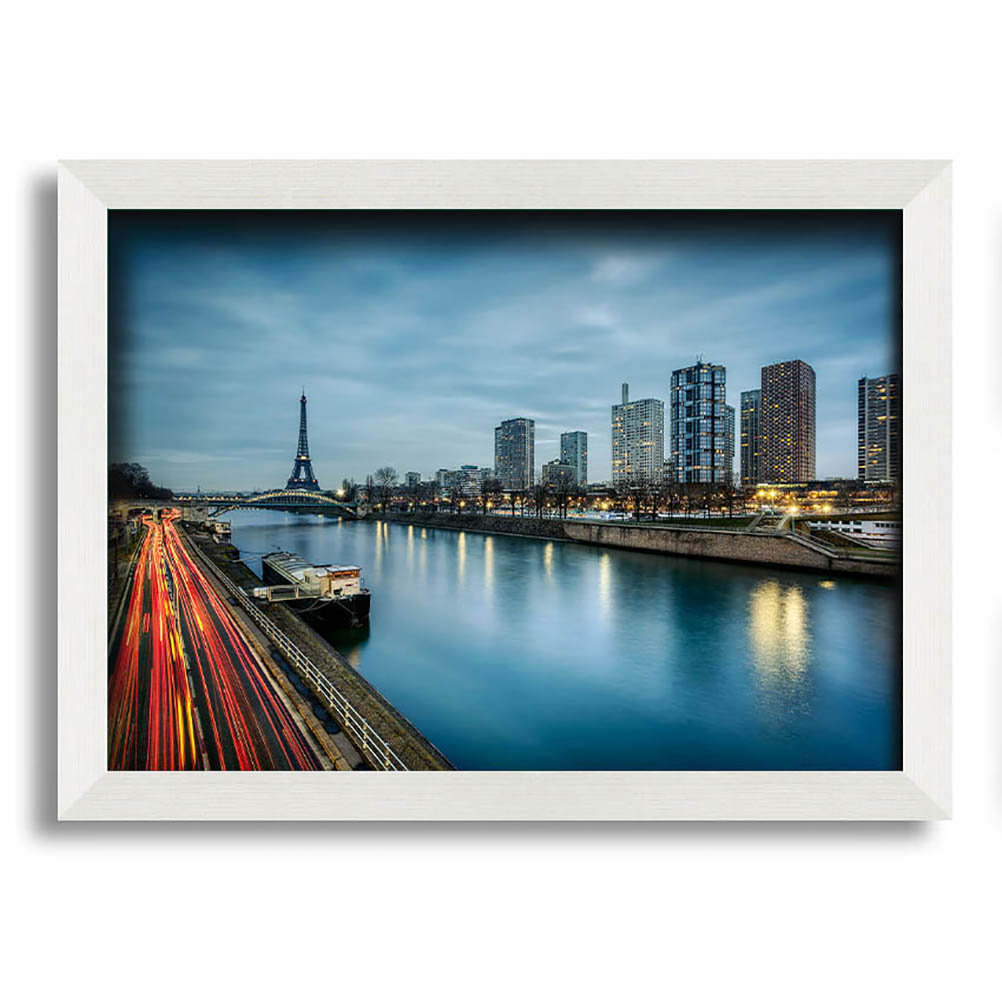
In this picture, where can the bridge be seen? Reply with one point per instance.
(298, 501)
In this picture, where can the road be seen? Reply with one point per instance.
(185, 690)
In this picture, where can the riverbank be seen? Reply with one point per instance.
(724, 544)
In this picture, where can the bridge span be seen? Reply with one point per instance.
(298, 501)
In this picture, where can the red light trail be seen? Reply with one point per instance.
(185, 690)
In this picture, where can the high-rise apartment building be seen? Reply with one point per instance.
(412, 479)
(698, 413)
(751, 437)
(788, 426)
(514, 452)
(879, 435)
(638, 439)
(728, 445)
(574, 451)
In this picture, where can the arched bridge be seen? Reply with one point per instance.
(295, 500)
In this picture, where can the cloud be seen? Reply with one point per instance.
(623, 269)
(414, 339)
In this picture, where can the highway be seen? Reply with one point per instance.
(185, 690)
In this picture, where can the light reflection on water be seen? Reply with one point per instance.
(488, 565)
(514, 653)
(779, 636)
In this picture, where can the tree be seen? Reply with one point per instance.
(538, 495)
(728, 494)
(564, 487)
(458, 497)
(129, 480)
(637, 494)
(386, 479)
(491, 492)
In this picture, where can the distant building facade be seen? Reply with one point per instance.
(470, 479)
(879, 433)
(412, 479)
(557, 473)
(788, 426)
(514, 452)
(638, 439)
(728, 445)
(699, 417)
(751, 436)
(574, 451)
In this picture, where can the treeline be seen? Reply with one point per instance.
(130, 481)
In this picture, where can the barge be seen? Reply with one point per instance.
(327, 594)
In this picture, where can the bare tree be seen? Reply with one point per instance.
(538, 495)
(729, 494)
(349, 490)
(458, 498)
(637, 494)
(564, 487)
(386, 479)
(491, 493)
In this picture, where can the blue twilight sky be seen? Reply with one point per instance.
(416, 333)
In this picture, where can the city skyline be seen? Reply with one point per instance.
(415, 335)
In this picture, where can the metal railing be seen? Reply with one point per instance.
(378, 753)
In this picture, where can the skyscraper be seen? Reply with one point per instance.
(751, 436)
(728, 445)
(514, 452)
(698, 413)
(788, 426)
(879, 436)
(574, 451)
(638, 439)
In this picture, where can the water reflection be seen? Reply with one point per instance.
(780, 646)
(605, 585)
(489, 565)
(522, 654)
(379, 548)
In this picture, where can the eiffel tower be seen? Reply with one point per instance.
(302, 477)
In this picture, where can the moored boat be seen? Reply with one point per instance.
(328, 594)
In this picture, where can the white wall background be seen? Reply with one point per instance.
(475, 914)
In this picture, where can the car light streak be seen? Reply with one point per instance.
(180, 657)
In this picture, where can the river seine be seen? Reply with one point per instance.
(517, 653)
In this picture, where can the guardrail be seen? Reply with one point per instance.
(378, 753)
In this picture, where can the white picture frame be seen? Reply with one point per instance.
(89, 189)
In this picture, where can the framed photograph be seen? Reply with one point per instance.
(510, 490)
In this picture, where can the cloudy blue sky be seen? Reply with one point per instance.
(416, 333)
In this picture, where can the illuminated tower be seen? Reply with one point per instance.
(788, 423)
(880, 429)
(302, 477)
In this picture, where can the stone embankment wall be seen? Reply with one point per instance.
(722, 544)
(734, 546)
(487, 523)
